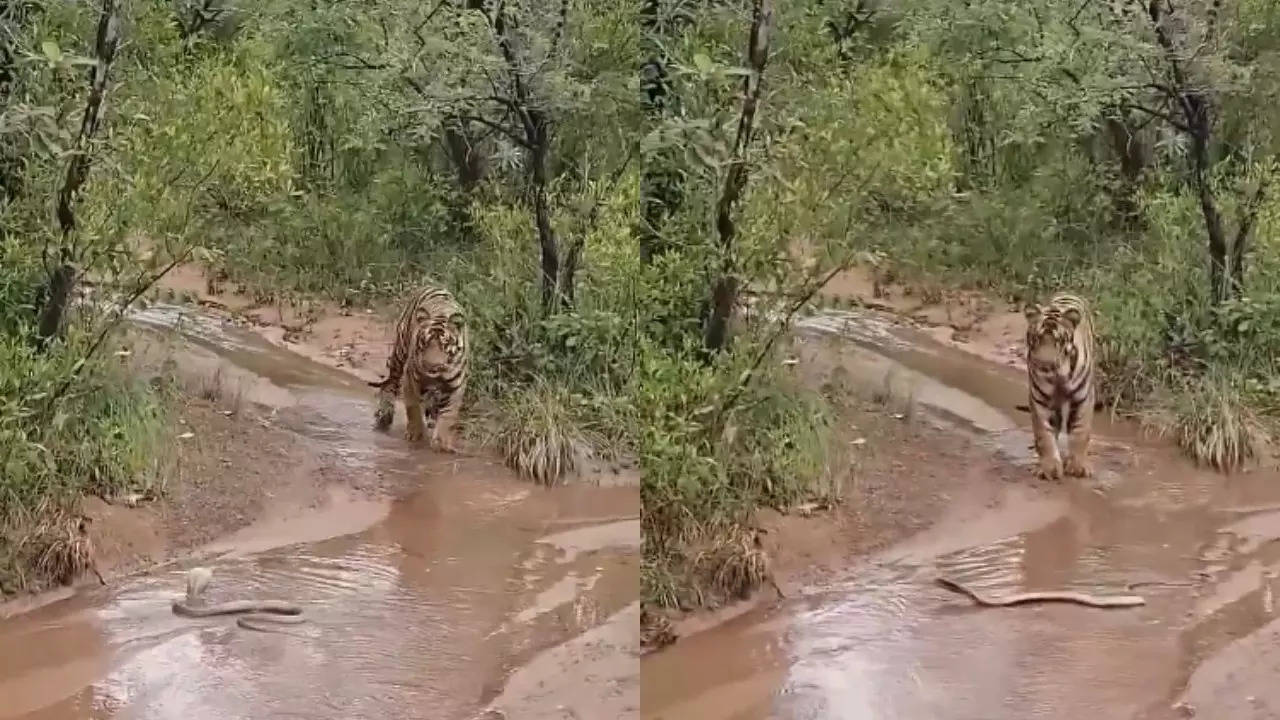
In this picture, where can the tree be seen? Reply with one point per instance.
(1119, 66)
(724, 290)
(1185, 90)
(62, 262)
(502, 67)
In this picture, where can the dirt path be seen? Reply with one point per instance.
(944, 485)
(435, 585)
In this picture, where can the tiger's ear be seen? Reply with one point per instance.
(1033, 312)
(458, 321)
(1072, 316)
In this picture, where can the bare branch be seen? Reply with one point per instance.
(360, 62)
(497, 128)
(1165, 117)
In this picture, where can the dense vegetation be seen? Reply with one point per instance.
(600, 183)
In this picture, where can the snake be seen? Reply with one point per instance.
(1067, 596)
(258, 615)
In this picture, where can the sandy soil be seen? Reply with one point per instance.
(353, 340)
(605, 656)
(229, 471)
(908, 475)
(975, 322)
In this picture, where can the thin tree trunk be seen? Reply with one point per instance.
(63, 277)
(1239, 248)
(468, 162)
(1198, 123)
(538, 133)
(1134, 156)
(537, 141)
(470, 167)
(1197, 110)
(724, 291)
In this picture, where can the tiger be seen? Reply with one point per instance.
(1060, 374)
(430, 354)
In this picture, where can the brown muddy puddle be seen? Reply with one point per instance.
(425, 607)
(883, 641)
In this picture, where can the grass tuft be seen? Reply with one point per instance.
(1212, 422)
(735, 566)
(540, 436)
(63, 550)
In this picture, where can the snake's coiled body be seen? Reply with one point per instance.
(257, 615)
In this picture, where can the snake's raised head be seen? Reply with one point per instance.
(197, 580)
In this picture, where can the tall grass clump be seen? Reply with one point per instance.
(539, 434)
(1211, 421)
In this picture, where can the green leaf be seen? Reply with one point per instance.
(702, 63)
(51, 50)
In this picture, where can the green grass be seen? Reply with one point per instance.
(1211, 421)
(706, 471)
(539, 434)
(105, 437)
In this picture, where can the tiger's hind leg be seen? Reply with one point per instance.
(413, 409)
(446, 426)
(1045, 441)
(1079, 433)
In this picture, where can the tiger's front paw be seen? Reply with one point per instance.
(1078, 467)
(414, 433)
(1050, 469)
(382, 418)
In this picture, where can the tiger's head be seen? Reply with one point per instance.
(439, 344)
(1051, 347)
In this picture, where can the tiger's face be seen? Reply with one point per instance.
(1051, 349)
(439, 344)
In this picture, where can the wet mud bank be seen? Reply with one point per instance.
(945, 487)
(435, 586)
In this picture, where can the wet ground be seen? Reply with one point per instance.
(466, 591)
(878, 639)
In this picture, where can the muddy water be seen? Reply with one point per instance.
(884, 641)
(463, 592)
